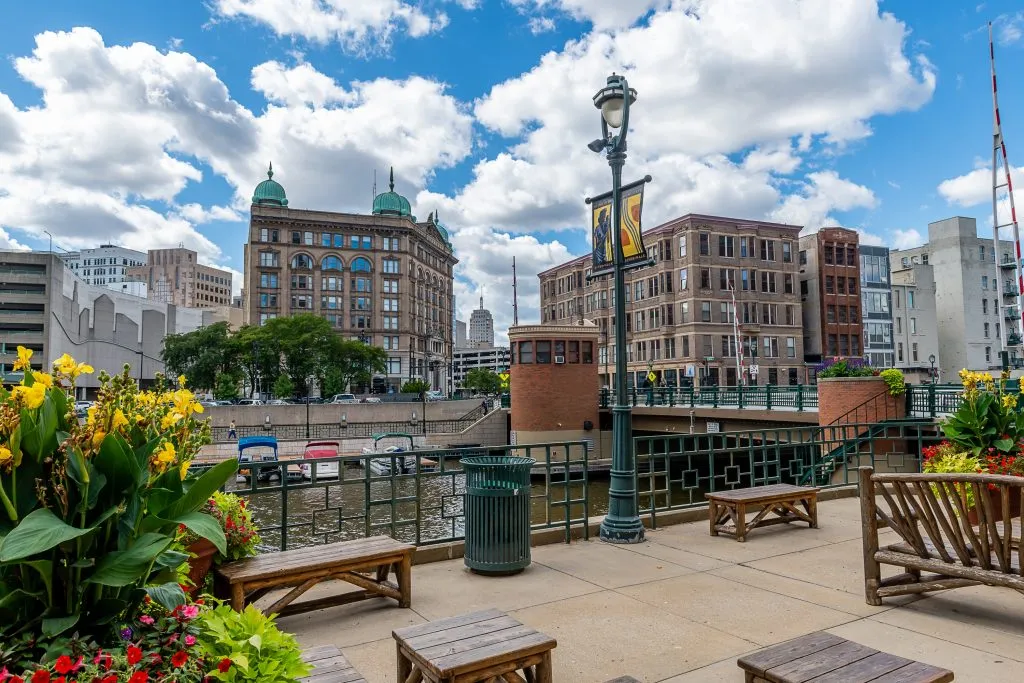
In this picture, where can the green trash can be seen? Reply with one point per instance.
(497, 514)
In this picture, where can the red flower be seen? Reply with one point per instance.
(179, 658)
(134, 655)
(15, 679)
(139, 677)
(41, 676)
(63, 664)
(224, 665)
(112, 678)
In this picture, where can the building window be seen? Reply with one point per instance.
(682, 279)
(705, 311)
(264, 317)
(361, 265)
(986, 331)
(899, 352)
(829, 255)
(361, 303)
(330, 263)
(913, 352)
(302, 261)
(899, 326)
(330, 303)
(984, 281)
(725, 311)
(330, 284)
(771, 347)
(390, 305)
(705, 244)
(855, 343)
(705, 278)
(767, 250)
(307, 238)
(390, 266)
(788, 283)
(394, 366)
(268, 300)
(588, 352)
(362, 284)
(266, 235)
(981, 252)
(910, 299)
(790, 347)
(988, 354)
(390, 286)
(391, 244)
(844, 345)
(840, 285)
(830, 313)
(391, 322)
(302, 282)
(267, 259)
(833, 345)
(682, 246)
(725, 246)
(391, 344)
(787, 252)
(851, 287)
(543, 352)
(803, 257)
(726, 279)
(684, 312)
(268, 280)
(302, 301)
(830, 284)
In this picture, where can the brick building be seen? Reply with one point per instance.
(554, 385)
(175, 276)
(681, 310)
(830, 292)
(385, 278)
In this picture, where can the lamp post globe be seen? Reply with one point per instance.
(622, 523)
(931, 359)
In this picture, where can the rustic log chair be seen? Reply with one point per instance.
(930, 514)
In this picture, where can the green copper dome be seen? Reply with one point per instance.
(270, 192)
(391, 203)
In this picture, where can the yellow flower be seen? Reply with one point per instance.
(32, 396)
(184, 469)
(23, 359)
(170, 419)
(97, 439)
(66, 365)
(90, 415)
(164, 457)
(43, 378)
(118, 421)
(181, 381)
(6, 456)
(1009, 401)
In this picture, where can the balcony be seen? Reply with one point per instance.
(1010, 290)
(1007, 262)
(1013, 339)
(1011, 313)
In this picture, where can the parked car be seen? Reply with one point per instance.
(344, 398)
(435, 396)
(250, 402)
(278, 402)
(371, 399)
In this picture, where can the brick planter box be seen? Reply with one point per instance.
(838, 396)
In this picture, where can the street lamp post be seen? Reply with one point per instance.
(622, 523)
(931, 359)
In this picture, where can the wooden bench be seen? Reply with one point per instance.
(482, 646)
(929, 512)
(246, 581)
(727, 510)
(329, 666)
(823, 657)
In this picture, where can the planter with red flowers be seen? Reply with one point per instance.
(240, 533)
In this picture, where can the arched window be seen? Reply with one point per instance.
(302, 261)
(361, 265)
(330, 263)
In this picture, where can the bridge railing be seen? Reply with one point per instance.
(798, 397)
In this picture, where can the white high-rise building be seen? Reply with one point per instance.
(481, 328)
(105, 265)
(969, 275)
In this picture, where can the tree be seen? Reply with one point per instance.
(259, 356)
(482, 380)
(284, 387)
(307, 344)
(201, 355)
(415, 386)
(226, 387)
(354, 362)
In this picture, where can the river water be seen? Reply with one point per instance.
(423, 510)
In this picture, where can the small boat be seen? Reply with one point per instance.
(321, 449)
(393, 461)
(264, 473)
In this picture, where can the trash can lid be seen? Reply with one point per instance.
(498, 460)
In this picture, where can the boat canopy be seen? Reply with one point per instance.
(256, 442)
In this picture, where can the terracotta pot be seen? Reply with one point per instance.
(199, 566)
(996, 500)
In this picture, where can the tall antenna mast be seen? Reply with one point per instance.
(736, 331)
(374, 185)
(515, 294)
(999, 150)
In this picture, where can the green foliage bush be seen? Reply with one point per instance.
(894, 381)
(257, 650)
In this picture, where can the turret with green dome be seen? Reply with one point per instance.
(391, 203)
(270, 192)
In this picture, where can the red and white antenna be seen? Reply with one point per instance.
(999, 150)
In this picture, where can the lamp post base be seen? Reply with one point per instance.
(622, 531)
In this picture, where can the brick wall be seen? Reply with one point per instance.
(837, 396)
(549, 397)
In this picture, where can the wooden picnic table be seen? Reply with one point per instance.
(482, 646)
(329, 666)
(825, 658)
(246, 581)
(727, 510)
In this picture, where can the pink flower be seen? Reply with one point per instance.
(147, 620)
(190, 640)
(190, 611)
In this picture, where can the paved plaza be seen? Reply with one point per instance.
(682, 606)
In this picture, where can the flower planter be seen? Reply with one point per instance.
(199, 566)
(996, 501)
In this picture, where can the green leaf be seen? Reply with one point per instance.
(1004, 444)
(57, 625)
(169, 595)
(256, 641)
(125, 567)
(115, 460)
(205, 526)
(31, 441)
(45, 570)
(48, 422)
(201, 489)
(171, 559)
(40, 531)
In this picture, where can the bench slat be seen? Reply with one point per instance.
(330, 666)
(760, 662)
(317, 557)
(761, 493)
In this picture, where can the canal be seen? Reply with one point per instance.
(419, 509)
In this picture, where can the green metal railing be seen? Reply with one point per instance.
(425, 506)
(790, 397)
(675, 471)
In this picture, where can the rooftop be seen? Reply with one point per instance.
(682, 606)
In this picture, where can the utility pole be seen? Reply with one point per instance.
(515, 294)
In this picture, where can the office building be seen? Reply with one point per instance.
(460, 335)
(107, 264)
(719, 305)
(971, 319)
(830, 294)
(175, 276)
(876, 306)
(383, 277)
(45, 307)
(494, 358)
(481, 328)
(915, 324)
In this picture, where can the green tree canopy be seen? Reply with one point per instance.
(482, 380)
(283, 387)
(201, 355)
(415, 386)
(226, 388)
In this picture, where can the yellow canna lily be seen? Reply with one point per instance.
(183, 471)
(32, 396)
(6, 456)
(119, 421)
(66, 365)
(44, 378)
(23, 359)
(97, 439)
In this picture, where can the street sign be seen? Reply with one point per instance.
(753, 370)
(651, 376)
(714, 427)
(708, 359)
(503, 377)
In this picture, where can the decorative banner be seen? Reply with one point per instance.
(634, 254)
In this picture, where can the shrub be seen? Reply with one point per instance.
(89, 509)
(894, 380)
(988, 421)
(241, 535)
(844, 367)
(948, 458)
(247, 646)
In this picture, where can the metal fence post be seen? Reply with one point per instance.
(799, 397)
(768, 397)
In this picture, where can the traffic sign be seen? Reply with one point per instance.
(651, 376)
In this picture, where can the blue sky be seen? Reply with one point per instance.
(149, 123)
